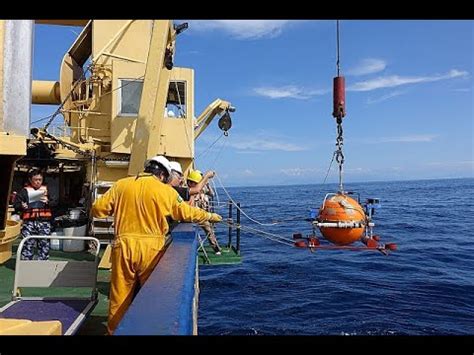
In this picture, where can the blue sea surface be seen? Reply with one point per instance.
(426, 287)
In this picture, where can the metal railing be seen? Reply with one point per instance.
(167, 303)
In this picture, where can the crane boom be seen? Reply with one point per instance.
(155, 89)
(205, 118)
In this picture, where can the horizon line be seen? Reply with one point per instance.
(351, 182)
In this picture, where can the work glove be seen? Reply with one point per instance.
(215, 218)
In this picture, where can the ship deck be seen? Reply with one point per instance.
(96, 324)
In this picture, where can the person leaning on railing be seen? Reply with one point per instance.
(140, 205)
(202, 200)
(178, 183)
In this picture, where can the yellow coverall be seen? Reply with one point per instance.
(140, 205)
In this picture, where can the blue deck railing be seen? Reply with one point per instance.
(167, 303)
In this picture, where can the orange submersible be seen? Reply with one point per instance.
(341, 219)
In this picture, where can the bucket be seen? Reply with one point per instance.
(56, 244)
(74, 244)
(75, 213)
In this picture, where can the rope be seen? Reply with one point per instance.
(330, 164)
(53, 116)
(235, 204)
(129, 81)
(215, 191)
(208, 148)
(213, 165)
(285, 241)
(338, 155)
(270, 236)
(276, 221)
(42, 119)
(293, 219)
(218, 204)
(337, 41)
(183, 114)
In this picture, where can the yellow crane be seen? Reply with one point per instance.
(122, 99)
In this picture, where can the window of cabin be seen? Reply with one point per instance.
(130, 93)
(176, 101)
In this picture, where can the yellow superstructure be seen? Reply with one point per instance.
(123, 101)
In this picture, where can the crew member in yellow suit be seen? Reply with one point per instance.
(140, 205)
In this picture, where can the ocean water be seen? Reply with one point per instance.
(426, 287)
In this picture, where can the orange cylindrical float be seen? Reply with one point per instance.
(341, 208)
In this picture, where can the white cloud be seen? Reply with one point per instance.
(261, 141)
(396, 80)
(247, 152)
(289, 91)
(453, 164)
(385, 97)
(416, 138)
(264, 144)
(368, 66)
(358, 170)
(299, 171)
(243, 29)
(281, 92)
(301, 93)
(248, 172)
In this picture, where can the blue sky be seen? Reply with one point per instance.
(409, 96)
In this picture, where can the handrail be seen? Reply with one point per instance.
(167, 303)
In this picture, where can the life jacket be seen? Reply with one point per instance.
(37, 209)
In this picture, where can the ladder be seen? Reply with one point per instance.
(103, 228)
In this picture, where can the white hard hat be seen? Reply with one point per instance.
(176, 167)
(163, 161)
